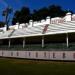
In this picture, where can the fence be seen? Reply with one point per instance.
(46, 55)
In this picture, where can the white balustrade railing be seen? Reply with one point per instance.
(46, 55)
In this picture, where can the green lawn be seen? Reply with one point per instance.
(31, 67)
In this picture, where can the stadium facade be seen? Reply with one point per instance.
(52, 39)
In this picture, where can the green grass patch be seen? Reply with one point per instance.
(35, 67)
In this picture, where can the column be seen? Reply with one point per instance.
(9, 42)
(23, 42)
(67, 40)
(42, 41)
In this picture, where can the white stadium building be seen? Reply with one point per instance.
(49, 39)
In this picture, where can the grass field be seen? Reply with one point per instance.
(31, 67)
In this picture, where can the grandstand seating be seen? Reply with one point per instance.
(61, 27)
(29, 31)
(5, 34)
(37, 30)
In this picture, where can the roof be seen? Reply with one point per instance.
(59, 28)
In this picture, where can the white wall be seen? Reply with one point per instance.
(47, 55)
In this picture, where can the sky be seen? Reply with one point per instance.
(35, 4)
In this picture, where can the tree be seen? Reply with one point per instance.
(16, 17)
(6, 13)
(40, 14)
(2, 24)
(22, 16)
(52, 11)
(56, 11)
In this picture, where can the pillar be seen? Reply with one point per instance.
(42, 41)
(67, 40)
(9, 42)
(23, 42)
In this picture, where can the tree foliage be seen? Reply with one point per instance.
(21, 16)
(56, 11)
(24, 15)
(2, 24)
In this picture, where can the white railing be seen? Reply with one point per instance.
(46, 55)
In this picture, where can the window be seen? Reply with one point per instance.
(53, 55)
(74, 55)
(36, 54)
(29, 54)
(11, 53)
(17, 53)
(44, 54)
(2, 53)
(49, 55)
(64, 55)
